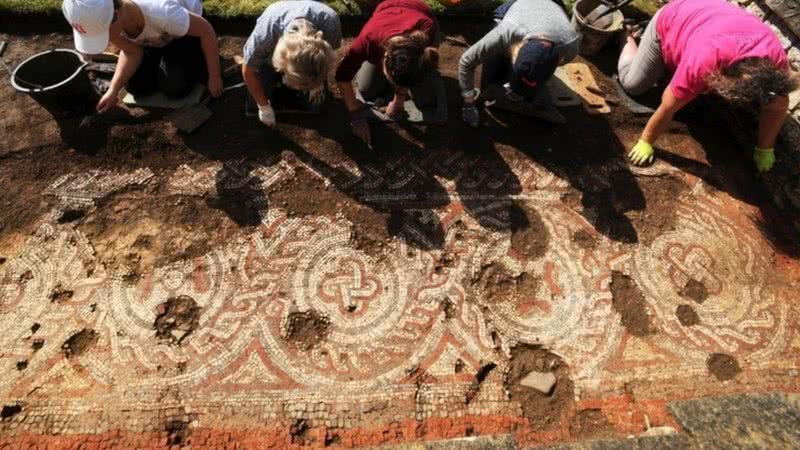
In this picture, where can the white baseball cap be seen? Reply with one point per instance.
(90, 20)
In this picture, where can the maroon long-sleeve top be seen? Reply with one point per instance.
(391, 18)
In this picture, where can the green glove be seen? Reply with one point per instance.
(642, 153)
(764, 158)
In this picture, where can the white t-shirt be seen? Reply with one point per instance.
(165, 20)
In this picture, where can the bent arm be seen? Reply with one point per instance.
(253, 82)
(349, 96)
(130, 57)
(661, 119)
(491, 44)
(201, 28)
(770, 122)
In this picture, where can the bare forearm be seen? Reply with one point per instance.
(771, 121)
(348, 95)
(253, 82)
(657, 124)
(211, 52)
(126, 66)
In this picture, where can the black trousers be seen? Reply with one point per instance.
(173, 69)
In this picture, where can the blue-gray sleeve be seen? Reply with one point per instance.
(331, 28)
(260, 45)
(495, 42)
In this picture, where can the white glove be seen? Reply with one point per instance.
(266, 115)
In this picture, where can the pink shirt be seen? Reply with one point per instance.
(699, 37)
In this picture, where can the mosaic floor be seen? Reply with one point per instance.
(385, 315)
(292, 328)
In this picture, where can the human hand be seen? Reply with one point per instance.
(764, 159)
(395, 109)
(266, 115)
(108, 101)
(471, 116)
(215, 86)
(642, 153)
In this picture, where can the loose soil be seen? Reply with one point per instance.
(723, 367)
(529, 235)
(687, 316)
(590, 423)
(37, 344)
(137, 232)
(305, 194)
(584, 240)
(60, 295)
(177, 432)
(629, 302)
(659, 215)
(306, 329)
(494, 284)
(79, 343)
(542, 410)
(695, 290)
(448, 308)
(176, 319)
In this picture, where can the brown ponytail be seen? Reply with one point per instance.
(410, 57)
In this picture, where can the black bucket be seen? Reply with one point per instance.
(58, 81)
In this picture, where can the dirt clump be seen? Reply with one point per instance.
(22, 365)
(448, 308)
(695, 290)
(305, 194)
(25, 277)
(35, 327)
(584, 240)
(176, 319)
(723, 367)
(480, 376)
(687, 316)
(134, 234)
(299, 432)
(544, 411)
(659, 214)
(60, 295)
(628, 301)
(494, 284)
(37, 344)
(529, 235)
(178, 431)
(590, 423)
(79, 343)
(306, 329)
(10, 411)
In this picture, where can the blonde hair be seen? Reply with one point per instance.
(304, 58)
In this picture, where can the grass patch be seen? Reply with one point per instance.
(252, 8)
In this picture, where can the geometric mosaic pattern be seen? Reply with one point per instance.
(385, 311)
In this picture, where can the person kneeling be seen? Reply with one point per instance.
(165, 45)
(288, 56)
(531, 39)
(709, 46)
(394, 56)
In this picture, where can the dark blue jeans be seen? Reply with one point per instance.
(173, 69)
